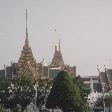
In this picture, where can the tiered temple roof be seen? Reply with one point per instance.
(57, 60)
(27, 64)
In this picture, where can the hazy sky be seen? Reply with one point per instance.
(83, 26)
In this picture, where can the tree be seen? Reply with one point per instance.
(107, 100)
(65, 94)
(6, 94)
(24, 92)
(99, 102)
(84, 91)
(18, 91)
(43, 89)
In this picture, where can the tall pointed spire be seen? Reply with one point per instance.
(26, 40)
(26, 20)
(59, 45)
(57, 60)
(26, 63)
(55, 48)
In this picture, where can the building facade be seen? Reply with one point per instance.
(93, 83)
(56, 65)
(27, 65)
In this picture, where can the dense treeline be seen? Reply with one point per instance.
(68, 94)
(64, 92)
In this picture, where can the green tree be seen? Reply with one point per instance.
(6, 94)
(43, 89)
(1, 110)
(107, 101)
(65, 94)
(24, 92)
(84, 92)
(18, 91)
(99, 102)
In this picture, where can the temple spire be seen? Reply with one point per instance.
(26, 20)
(26, 63)
(57, 60)
(55, 48)
(26, 40)
(59, 45)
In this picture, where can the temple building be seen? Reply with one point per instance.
(9, 72)
(57, 60)
(27, 64)
(56, 65)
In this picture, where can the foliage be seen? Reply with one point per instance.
(107, 101)
(24, 92)
(21, 92)
(65, 94)
(18, 91)
(43, 89)
(6, 94)
(99, 102)
(84, 92)
(15, 109)
(1, 110)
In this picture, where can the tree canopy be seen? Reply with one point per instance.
(65, 94)
(43, 89)
(16, 92)
(104, 100)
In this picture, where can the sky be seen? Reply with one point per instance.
(84, 28)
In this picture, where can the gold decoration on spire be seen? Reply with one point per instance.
(59, 46)
(57, 60)
(26, 63)
(26, 40)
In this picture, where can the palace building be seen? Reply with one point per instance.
(27, 65)
(56, 65)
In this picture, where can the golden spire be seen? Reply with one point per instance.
(26, 40)
(26, 20)
(59, 46)
(57, 60)
(26, 62)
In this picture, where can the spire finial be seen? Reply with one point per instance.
(26, 40)
(59, 45)
(26, 20)
(55, 48)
